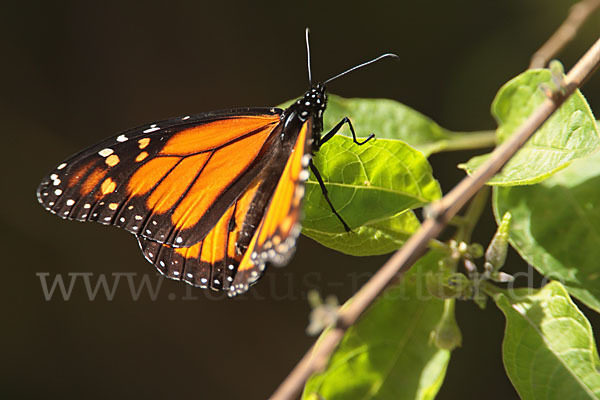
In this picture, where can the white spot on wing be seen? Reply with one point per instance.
(122, 138)
(304, 174)
(152, 128)
(305, 160)
(61, 166)
(105, 152)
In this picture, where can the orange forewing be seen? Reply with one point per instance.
(92, 181)
(214, 134)
(223, 168)
(80, 174)
(168, 192)
(146, 177)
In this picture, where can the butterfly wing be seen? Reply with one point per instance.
(170, 182)
(260, 226)
(275, 237)
(212, 262)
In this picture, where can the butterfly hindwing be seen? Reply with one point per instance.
(274, 239)
(208, 263)
(213, 262)
(168, 182)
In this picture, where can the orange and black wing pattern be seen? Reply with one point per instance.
(211, 198)
(206, 196)
(275, 237)
(260, 226)
(169, 182)
(212, 262)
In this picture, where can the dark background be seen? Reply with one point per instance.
(74, 73)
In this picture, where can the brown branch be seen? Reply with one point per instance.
(578, 14)
(442, 211)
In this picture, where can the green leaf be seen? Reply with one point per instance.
(556, 226)
(570, 133)
(373, 238)
(388, 354)
(549, 350)
(373, 186)
(389, 119)
(369, 185)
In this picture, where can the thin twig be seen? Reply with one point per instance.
(578, 14)
(316, 358)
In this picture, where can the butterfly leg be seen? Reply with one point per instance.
(325, 194)
(336, 128)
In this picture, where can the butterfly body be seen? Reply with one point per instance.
(211, 198)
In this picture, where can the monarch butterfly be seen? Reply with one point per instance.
(211, 197)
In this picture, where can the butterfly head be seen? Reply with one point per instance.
(313, 103)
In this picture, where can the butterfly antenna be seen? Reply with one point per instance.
(386, 55)
(308, 57)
